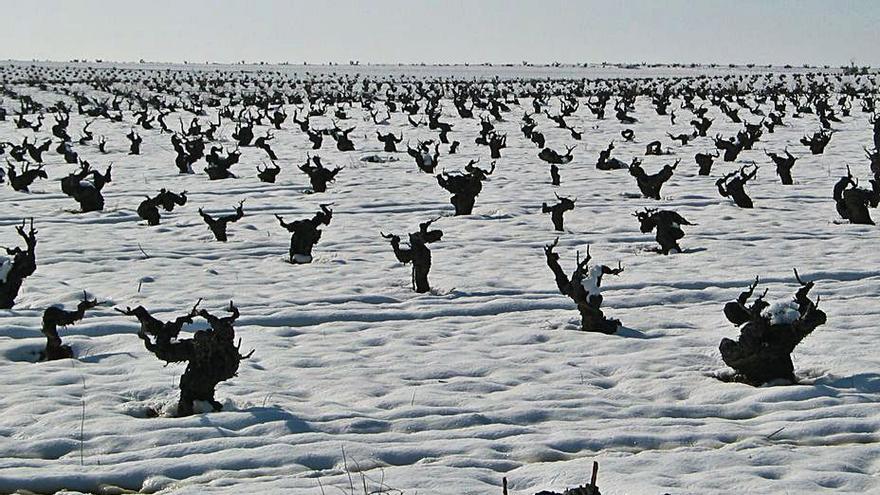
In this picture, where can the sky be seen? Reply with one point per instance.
(453, 31)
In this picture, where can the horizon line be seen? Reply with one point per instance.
(523, 63)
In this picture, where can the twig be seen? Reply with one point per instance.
(774, 433)
(82, 421)
(345, 464)
(142, 251)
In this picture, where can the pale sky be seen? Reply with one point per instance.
(433, 31)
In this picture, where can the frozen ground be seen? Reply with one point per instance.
(354, 374)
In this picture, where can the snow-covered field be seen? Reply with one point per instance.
(358, 381)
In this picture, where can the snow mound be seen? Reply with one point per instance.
(302, 258)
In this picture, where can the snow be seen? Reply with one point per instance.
(427, 159)
(5, 267)
(302, 258)
(592, 280)
(486, 377)
(781, 312)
